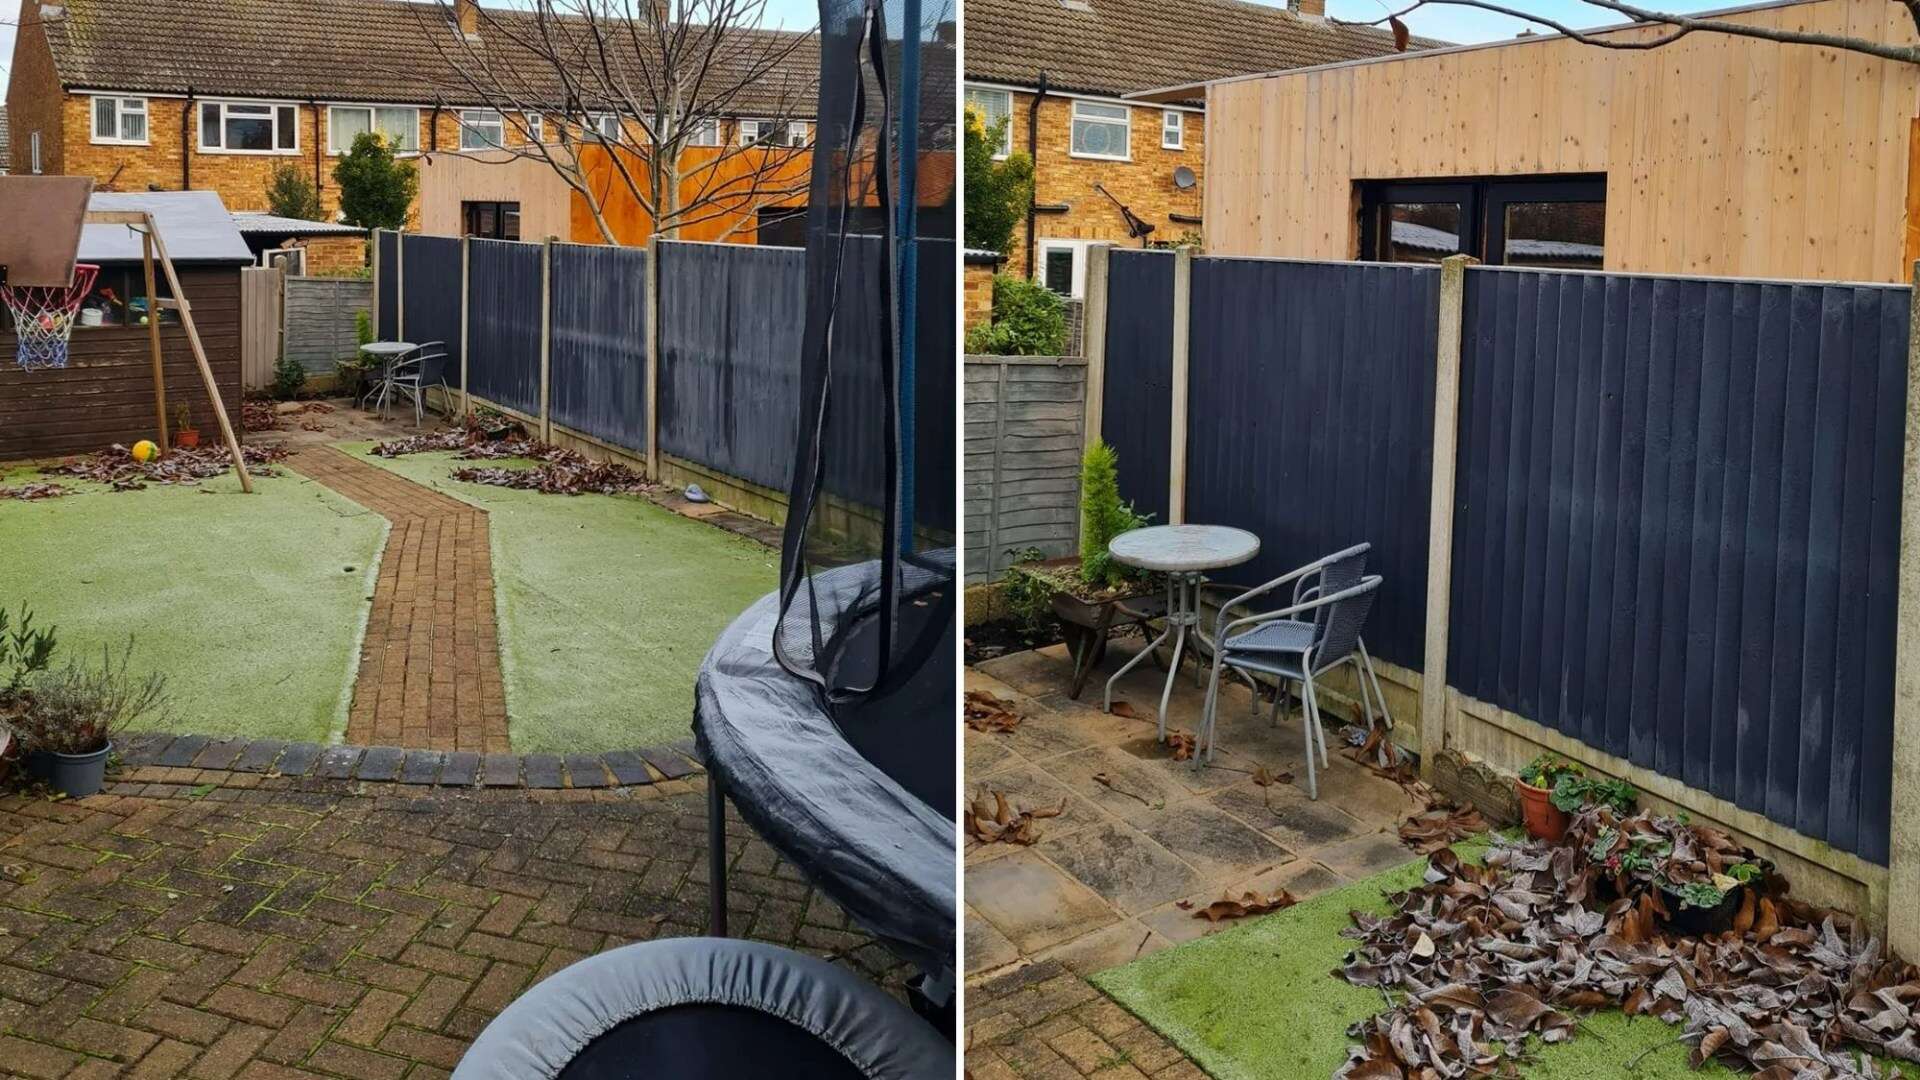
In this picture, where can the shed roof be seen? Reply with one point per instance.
(252, 223)
(194, 225)
(389, 52)
(1118, 47)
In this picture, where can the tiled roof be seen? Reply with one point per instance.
(382, 51)
(1116, 47)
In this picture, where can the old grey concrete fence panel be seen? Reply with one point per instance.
(1024, 417)
(322, 320)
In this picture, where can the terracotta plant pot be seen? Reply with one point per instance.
(1544, 820)
(186, 440)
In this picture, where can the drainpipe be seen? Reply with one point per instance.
(1033, 155)
(433, 131)
(186, 143)
(319, 186)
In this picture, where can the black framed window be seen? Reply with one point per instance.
(491, 220)
(1541, 221)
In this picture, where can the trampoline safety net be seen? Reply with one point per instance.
(870, 525)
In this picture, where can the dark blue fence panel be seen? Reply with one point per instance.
(1677, 520)
(1310, 421)
(431, 295)
(503, 311)
(1134, 416)
(598, 356)
(936, 388)
(731, 318)
(387, 304)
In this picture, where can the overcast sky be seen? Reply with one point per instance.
(1446, 22)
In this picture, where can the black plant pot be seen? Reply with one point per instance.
(1704, 922)
(73, 775)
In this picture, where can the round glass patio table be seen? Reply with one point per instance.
(1184, 553)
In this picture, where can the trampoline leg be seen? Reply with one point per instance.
(716, 858)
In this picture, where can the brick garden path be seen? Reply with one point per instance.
(203, 924)
(430, 665)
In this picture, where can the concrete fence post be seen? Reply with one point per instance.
(652, 312)
(466, 313)
(546, 340)
(1903, 862)
(1093, 339)
(1177, 451)
(1446, 433)
(373, 260)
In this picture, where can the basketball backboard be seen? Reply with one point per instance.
(40, 219)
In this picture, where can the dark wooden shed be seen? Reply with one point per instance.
(105, 393)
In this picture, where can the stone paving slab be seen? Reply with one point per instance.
(204, 924)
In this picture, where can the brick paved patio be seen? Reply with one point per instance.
(429, 673)
(210, 924)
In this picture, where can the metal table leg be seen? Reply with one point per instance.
(1152, 646)
(716, 857)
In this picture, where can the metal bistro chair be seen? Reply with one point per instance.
(424, 368)
(1289, 646)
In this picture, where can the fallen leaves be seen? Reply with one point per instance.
(559, 471)
(29, 492)
(1440, 825)
(116, 467)
(1247, 903)
(1126, 709)
(1182, 744)
(1490, 956)
(999, 822)
(985, 711)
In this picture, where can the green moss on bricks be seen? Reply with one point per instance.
(607, 604)
(250, 604)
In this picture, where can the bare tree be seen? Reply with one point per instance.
(677, 85)
(1676, 26)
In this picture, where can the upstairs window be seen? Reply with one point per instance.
(482, 129)
(536, 128)
(120, 120)
(1101, 131)
(605, 125)
(705, 133)
(346, 123)
(1173, 130)
(249, 127)
(995, 107)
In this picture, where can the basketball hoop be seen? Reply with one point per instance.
(43, 317)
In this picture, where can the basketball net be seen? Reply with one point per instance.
(43, 317)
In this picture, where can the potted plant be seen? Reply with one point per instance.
(1082, 591)
(1552, 789)
(72, 714)
(25, 650)
(185, 435)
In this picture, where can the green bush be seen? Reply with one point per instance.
(24, 649)
(1028, 320)
(363, 328)
(291, 193)
(997, 191)
(376, 189)
(289, 378)
(1102, 517)
(80, 708)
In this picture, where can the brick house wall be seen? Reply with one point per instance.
(976, 303)
(34, 100)
(1144, 184)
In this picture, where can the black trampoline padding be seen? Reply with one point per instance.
(855, 819)
(706, 1009)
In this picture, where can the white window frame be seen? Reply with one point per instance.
(705, 133)
(473, 127)
(373, 120)
(273, 113)
(1078, 287)
(796, 134)
(1126, 120)
(597, 124)
(33, 151)
(1173, 122)
(1006, 133)
(536, 127)
(120, 110)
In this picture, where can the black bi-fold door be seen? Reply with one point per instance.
(1555, 221)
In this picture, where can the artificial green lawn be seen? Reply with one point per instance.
(251, 605)
(607, 603)
(1260, 1001)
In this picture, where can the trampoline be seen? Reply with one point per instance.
(826, 712)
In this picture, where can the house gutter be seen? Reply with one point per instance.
(1033, 155)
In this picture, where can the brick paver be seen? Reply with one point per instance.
(211, 925)
(430, 664)
(1044, 1020)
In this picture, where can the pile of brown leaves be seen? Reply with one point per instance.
(28, 492)
(1000, 822)
(1488, 956)
(986, 711)
(475, 431)
(1440, 825)
(116, 467)
(1248, 903)
(259, 414)
(563, 472)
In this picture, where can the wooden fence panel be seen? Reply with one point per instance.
(1025, 418)
(260, 324)
(322, 320)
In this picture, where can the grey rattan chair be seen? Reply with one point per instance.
(1296, 643)
(423, 369)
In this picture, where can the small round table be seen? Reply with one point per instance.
(1183, 553)
(386, 352)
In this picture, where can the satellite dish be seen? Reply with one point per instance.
(1183, 178)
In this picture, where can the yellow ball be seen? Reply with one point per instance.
(145, 451)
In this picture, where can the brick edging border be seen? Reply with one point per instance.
(425, 768)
